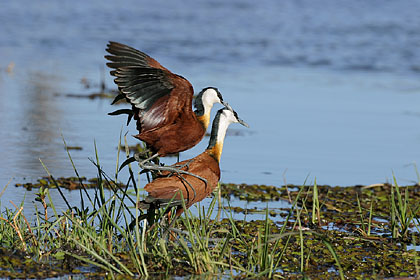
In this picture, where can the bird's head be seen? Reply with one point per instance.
(222, 120)
(204, 102)
(231, 115)
(208, 96)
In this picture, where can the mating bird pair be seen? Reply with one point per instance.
(162, 107)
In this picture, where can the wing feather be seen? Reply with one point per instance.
(158, 96)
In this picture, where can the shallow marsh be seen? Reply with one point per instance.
(354, 232)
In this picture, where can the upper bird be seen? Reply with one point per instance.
(204, 171)
(161, 101)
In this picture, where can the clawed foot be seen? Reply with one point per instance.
(177, 169)
(187, 165)
(142, 158)
(152, 164)
(149, 164)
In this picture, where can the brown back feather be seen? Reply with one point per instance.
(203, 165)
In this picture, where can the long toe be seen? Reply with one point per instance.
(127, 162)
(141, 156)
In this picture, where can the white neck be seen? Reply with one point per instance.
(209, 98)
(221, 123)
(221, 132)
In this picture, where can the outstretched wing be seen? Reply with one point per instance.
(123, 56)
(157, 95)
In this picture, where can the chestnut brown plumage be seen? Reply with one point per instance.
(161, 101)
(169, 187)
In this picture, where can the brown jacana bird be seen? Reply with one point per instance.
(161, 101)
(172, 187)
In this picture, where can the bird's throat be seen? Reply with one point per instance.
(204, 119)
(216, 151)
(217, 137)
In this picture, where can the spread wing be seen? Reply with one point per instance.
(157, 95)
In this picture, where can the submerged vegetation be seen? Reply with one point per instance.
(326, 232)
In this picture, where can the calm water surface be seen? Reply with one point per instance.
(331, 89)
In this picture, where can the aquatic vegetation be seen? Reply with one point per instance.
(253, 192)
(77, 148)
(70, 183)
(328, 232)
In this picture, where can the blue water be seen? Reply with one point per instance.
(330, 88)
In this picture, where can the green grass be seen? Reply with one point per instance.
(315, 205)
(402, 216)
(365, 227)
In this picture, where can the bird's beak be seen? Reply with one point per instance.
(239, 120)
(228, 106)
(243, 123)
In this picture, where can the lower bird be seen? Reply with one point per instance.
(202, 173)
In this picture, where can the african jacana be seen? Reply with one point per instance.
(161, 101)
(168, 187)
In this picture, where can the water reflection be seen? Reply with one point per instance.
(40, 117)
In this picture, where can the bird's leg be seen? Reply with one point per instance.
(178, 213)
(147, 165)
(143, 161)
(171, 169)
(167, 230)
(140, 157)
(179, 173)
(186, 181)
(152, 161)
(187, 164)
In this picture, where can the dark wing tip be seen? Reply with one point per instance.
(115, 44)
(121, 111)
(118, 98)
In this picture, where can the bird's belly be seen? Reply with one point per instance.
(173, 140)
